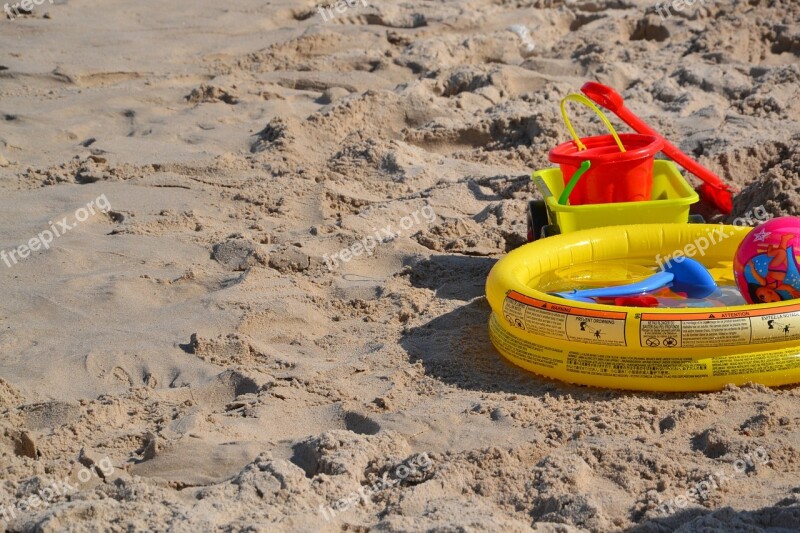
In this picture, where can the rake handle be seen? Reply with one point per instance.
(715, 189)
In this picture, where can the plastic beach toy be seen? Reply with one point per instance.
(686, 276)
(573, 182)
(766, 263)
(714, 190)
(607, 180)
(671, 198)
(638, 348)
(621, 166)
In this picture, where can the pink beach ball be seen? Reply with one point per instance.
(766, 263)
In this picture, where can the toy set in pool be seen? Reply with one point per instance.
(621, 287)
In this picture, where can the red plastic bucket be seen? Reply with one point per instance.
(614, 176)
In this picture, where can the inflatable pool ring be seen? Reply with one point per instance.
(633, 348)
(766, 263)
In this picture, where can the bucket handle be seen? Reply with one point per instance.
(564, 198)
(585, 101)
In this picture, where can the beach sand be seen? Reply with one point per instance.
(197, 353)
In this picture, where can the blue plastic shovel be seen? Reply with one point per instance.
(687, 276)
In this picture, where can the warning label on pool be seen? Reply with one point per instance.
(564, 321)
(635, 367)
(703, 330)
(785, 326)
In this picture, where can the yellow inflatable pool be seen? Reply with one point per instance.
(698, 349)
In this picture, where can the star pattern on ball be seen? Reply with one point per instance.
(762, 235)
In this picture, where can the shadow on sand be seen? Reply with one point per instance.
(783, 517)
(456, 349)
